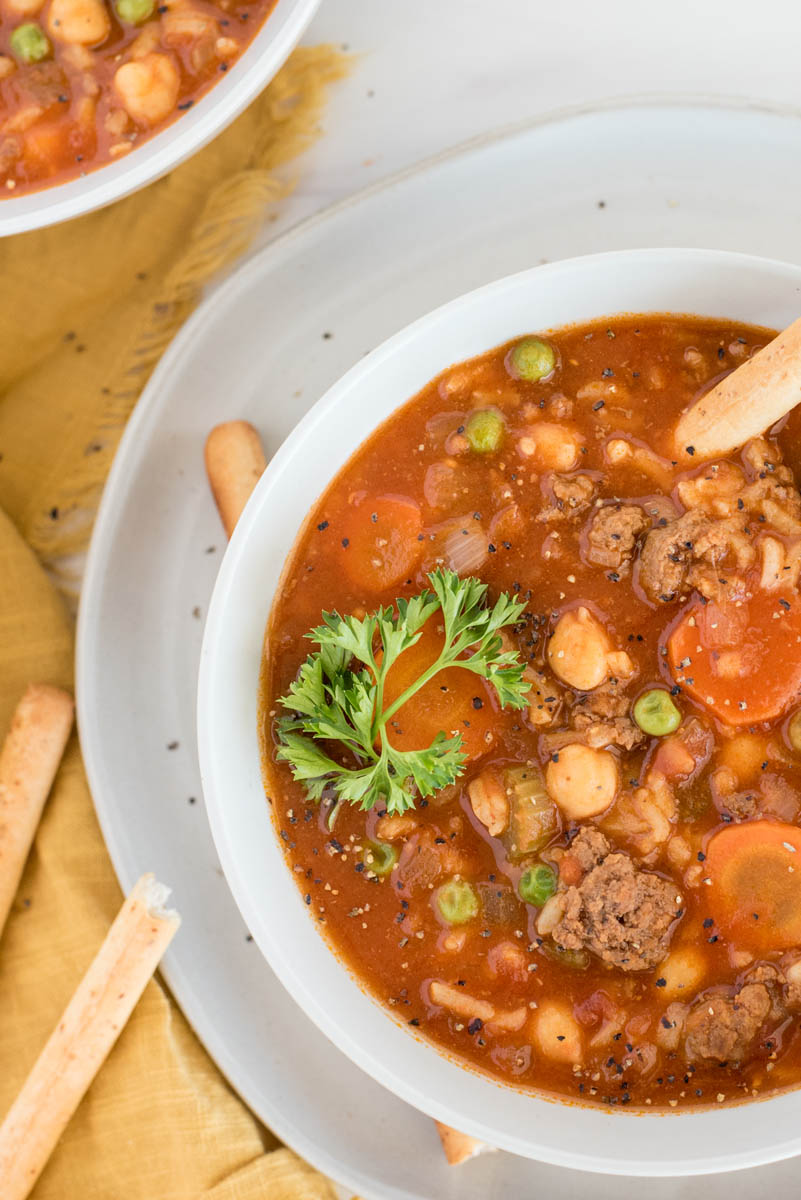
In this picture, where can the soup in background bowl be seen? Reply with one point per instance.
(548, 881)
(100, 98)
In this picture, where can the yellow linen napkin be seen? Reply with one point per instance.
(85, 311)
(87, 308)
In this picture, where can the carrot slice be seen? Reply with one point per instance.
(741, 660)
(381, 545)
(755, 895)
(454, 701)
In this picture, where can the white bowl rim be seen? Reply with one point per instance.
(183, 137)
(259, 923)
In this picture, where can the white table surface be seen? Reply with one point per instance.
(433, 73)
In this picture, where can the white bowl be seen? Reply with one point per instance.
(711, 283)
(233, 92)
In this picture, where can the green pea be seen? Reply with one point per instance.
(532, 359)
(656, 714)
(29, 43)
(537, 884)
(134, 12)
(457, 902)
(484, 430)
(379, 857)
(794, 730)
(574, 960)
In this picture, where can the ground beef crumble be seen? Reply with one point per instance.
(723, 1028)
(602, 718)
(571, 495)
(613, 533)
(681, 554)
(624, 915)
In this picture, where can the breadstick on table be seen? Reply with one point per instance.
(29, 760)
(747, 402)
(234, 464)
(459, 1147)
(80, 1042)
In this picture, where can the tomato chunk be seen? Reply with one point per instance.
(755, 895)
(741, 660)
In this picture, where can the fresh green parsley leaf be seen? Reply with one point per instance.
(336, 706)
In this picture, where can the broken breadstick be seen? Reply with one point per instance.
(459, 1147)
(747, 402)
(29, 760)
(234, 464)
(80, 1042)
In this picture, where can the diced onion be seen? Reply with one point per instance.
(466, 548)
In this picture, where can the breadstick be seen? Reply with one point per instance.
(29, 760)
(459, 1147)
(747, 402)
(234, 464)
(80, 1042)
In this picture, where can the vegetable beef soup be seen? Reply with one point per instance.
(83, 82)
(530, 729)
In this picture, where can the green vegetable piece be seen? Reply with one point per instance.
(537, 884)
(532, 359)
(29, 43)
(533, 817)
(336, 713)
(574, 960)
(379, 857)
(134, 12)
(656, 714)
(794, 731)
(484, 430)
(457, 902)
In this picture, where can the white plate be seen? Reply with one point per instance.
(265, 346)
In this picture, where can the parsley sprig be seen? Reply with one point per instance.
(337, 698)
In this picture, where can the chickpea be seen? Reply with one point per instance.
(683, 972)
(81, 22)
(555, 1030)
(552, 447)
(489, 802)
(148, 88)
(551, 914)
(579, 649)
(582, 782)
